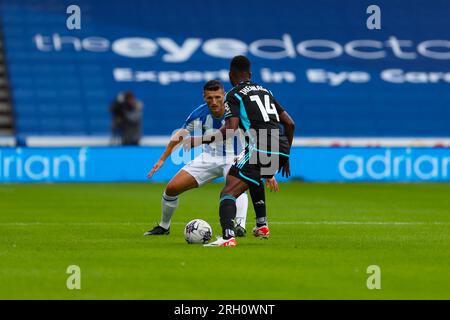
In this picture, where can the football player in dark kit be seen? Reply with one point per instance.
(269, 131)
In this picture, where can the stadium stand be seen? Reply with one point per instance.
(63, 80)
(6, 116)
(382, 93)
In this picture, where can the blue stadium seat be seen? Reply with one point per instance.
(72, 77)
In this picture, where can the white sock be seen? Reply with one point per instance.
(169, 205)
(241, 210)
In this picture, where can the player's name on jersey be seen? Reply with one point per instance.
(248, 89)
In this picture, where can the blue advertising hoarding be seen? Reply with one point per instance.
(314, 164)
(334, 75)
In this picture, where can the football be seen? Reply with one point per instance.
(197, 231)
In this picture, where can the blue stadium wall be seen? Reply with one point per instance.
(119, 164)
(336, 77)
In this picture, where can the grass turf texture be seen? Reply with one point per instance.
(323, 238)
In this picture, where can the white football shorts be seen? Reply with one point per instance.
(205, 167)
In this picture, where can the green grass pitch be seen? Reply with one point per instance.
(323, 238)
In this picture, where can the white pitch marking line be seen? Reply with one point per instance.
(357, 223)
(394, 223)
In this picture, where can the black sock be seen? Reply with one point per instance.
(259, 203)
(227, 212)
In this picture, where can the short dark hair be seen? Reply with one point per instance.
(128, 95)
(213, 85)
(240, 64)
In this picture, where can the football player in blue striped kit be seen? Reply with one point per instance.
(214, 161)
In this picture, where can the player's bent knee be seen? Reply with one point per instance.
(226, 196)
(172, 190)
(223, 192)
(228, 192)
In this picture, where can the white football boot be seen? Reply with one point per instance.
(221, 242)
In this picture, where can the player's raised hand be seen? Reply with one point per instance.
(285, 169)
(155, 168)
(272, 184)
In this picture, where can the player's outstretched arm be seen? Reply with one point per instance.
(176, 139)
(289, 126)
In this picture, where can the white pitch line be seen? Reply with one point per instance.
(388, 223)
(394, 223)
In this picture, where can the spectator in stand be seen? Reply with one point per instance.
(126, 113)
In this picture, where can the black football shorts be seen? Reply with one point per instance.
(252, 166)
